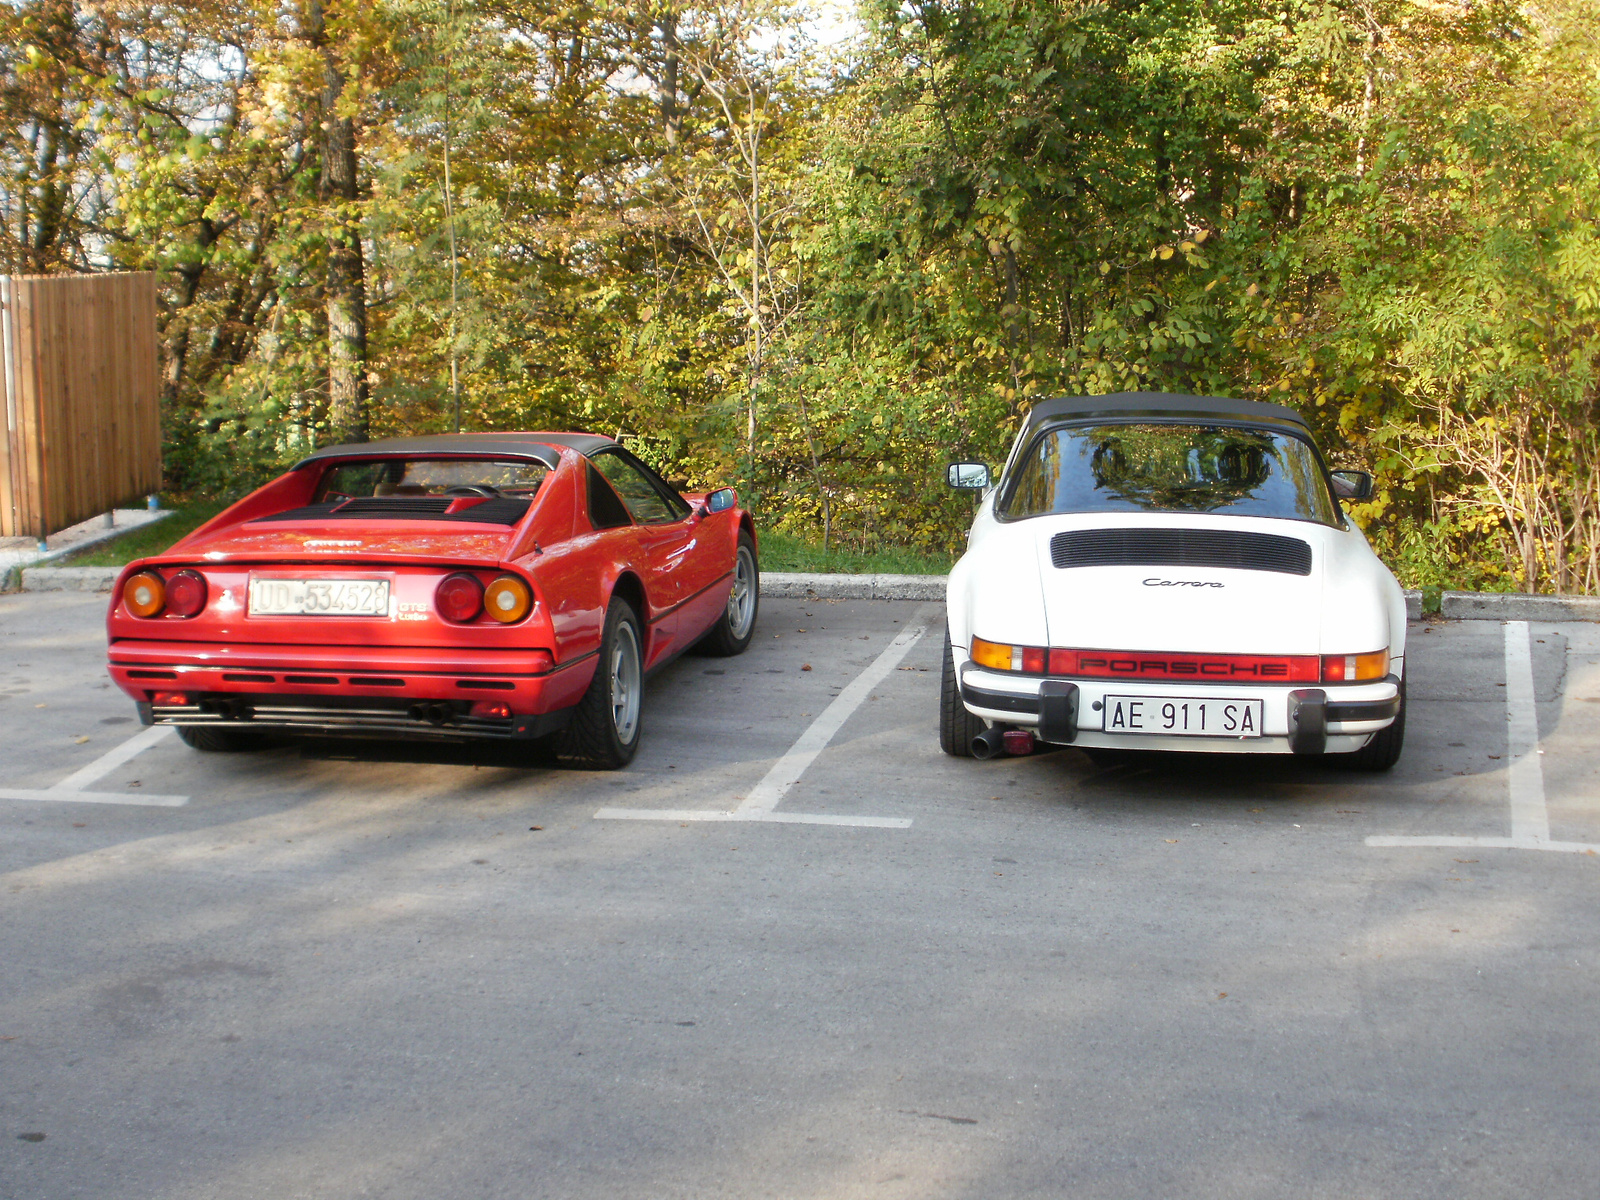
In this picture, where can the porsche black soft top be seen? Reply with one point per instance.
(489, 445)
(1159, 406)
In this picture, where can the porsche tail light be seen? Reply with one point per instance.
(1355, 668)
(145, 594)
(459, 598)
(1000, 656)
(186, 593)
(508, 599)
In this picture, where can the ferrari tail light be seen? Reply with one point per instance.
(459, 598)
(145, 594)
(1354, 668)
(508, 599)
(186, 594)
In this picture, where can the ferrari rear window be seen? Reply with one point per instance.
(419, 477)
(1170, 468)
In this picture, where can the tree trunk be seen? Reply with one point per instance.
(348, 415)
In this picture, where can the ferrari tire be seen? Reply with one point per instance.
(211, 740)
(957, 727)
(605, 727)
(737, 624)
(1383, 750)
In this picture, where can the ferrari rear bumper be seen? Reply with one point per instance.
(369, 691)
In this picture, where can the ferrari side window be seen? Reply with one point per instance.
(644, 501)
(606, 511)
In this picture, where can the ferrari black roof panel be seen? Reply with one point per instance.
(498, 445)
(1165, 406)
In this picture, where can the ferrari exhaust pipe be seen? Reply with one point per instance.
(988, 744)
(435, 713)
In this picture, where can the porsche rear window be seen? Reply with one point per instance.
(1170, 468)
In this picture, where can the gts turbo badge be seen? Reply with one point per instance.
(1195, 583)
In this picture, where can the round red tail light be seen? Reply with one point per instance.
(186, 593)
(459, 598)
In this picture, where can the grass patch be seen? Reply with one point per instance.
(785, 552)
(147, 539)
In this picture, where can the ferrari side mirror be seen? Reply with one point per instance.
(971, 476)
(1352, 485)
(721, 500)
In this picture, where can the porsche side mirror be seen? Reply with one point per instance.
(1352, 485)
(972, 476)
(721, 500)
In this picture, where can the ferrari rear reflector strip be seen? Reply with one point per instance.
(311, 679)
(152, 674)
(236, 677)
(375, 681)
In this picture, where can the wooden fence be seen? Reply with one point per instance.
(82, 398)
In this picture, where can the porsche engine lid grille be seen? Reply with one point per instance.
(1181, 548)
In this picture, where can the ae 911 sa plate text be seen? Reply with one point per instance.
(319, 597)
(1183, 715)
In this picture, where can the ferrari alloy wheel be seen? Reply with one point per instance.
(1383, 751)
(737, 625)
(604, 731)
(957, 727)
(221, 741)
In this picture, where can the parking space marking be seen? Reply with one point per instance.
(1530, 818)
(70, 790)
(761, 801)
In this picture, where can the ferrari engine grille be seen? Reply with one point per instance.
(1181, 548)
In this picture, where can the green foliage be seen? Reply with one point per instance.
(822, 280)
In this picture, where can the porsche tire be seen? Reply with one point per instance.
(737, 624)
(604, 731)
(957, 727)
(211, 740)
(1383, 751)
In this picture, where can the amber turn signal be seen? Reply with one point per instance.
(1355, 668)
(508, 599)
(145, 594)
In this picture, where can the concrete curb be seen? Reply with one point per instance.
(782, 585)
(1517, 606)
(69, 579)
(787, 586)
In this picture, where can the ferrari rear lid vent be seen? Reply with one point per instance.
(500, 510)
(1181, 548)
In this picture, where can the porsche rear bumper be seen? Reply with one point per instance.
(1298, 720)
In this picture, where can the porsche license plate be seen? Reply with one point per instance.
(1183, 715)
(319, 597)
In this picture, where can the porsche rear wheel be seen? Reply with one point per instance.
(221, 741)
(1383, 751)
(957, 727)
(737, 624)
(604, 731)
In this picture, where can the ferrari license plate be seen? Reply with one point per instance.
(319, 597)
(1208, 717)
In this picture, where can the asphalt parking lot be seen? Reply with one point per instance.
(795, 952)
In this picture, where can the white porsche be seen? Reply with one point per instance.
(1163, 572)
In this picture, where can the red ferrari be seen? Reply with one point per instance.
(510, 586)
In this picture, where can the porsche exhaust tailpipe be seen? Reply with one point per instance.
(988, 743)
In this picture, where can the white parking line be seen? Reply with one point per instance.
(1530, 819)
(761, 801)
(70, 790)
